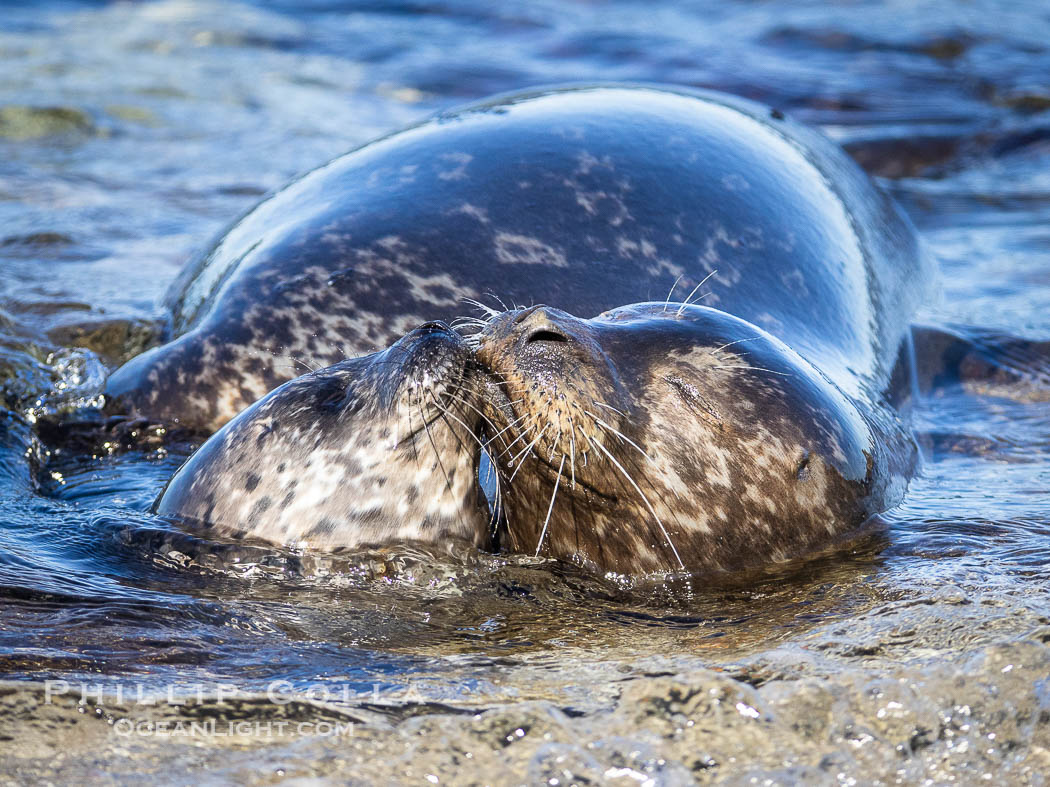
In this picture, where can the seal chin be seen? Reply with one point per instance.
(663, 437)
(371, 450)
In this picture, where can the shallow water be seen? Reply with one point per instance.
(132, 132)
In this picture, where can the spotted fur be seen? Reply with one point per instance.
(371, 450)
(583, 198)
(649, 438)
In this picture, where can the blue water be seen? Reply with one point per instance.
(131, 133)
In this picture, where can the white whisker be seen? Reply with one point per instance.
(550, 508)
(645, 499)
(689, 297)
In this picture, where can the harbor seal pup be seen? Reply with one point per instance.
(371, 450)
(670, 437)
(583, 198)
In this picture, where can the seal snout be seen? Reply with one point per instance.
(539, 331)
(423, 366)
(558, 387)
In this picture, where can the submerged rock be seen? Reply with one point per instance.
(19, 123)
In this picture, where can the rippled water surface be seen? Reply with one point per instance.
(131, 133)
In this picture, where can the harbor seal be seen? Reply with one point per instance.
(671, 437)
(583, 198)
(371, 450)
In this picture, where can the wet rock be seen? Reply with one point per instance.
(630, 761)
(36, 240)
(114, 339)
(706, 718)
(504, 727)
(564, 763)
(807, 707)
(942, 721)
(133, 114)
(904, 157)
(22, 376)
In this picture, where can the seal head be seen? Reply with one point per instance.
(667, 437)
(372, 450)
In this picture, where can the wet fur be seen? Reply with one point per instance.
(654, 437)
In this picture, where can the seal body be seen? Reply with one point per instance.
(371, 450)
(583, 199)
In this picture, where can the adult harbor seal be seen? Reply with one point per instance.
(747, 429)
(584, 198)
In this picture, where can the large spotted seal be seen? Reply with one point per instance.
(747, 429)
(584, 198)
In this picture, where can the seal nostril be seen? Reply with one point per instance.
(545, 335)
(433, 326)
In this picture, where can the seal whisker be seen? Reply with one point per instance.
(645, 499)
(610, 407)
(334, 347)
(484, 418)
(524, 432)
(499, 435)
(554, 445)
(572, 451)
(498, 299)
(524, 451)
(667, 300)
(288, 357)
(691, 294)
(445, 412)
(625, 438)
(482, 307)
(730, 344)
(753, 368)
(437, 453)
(516, 422)
(550, 508)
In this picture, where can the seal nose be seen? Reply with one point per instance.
(540, 324)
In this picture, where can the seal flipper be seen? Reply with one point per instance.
(985, 362)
